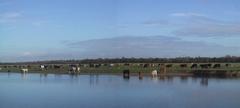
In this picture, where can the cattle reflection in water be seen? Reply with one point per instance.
(94, 79)
(24, 76)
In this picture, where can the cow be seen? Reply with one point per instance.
(111, 65)
(228, 65)
(194, 66)
(145, 65)
(28, 66)
(216, 65)
(152, 65)
(169, 65)
(205, 65)
(154, 73)
(97, 65)
(56, 67)
(74, 69)
(24, 70)
(78, 69)
(209, 65)
(43, 67)
(183, 65)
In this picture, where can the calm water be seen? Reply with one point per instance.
(112, 91)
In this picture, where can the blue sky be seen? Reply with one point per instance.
(75, 29)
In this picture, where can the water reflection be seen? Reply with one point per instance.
(184, 79)
(94, 79)
(24, 76)
(204, 81)
(9, 74)
(110, 91)
(140, 75)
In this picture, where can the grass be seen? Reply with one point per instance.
(134, 68)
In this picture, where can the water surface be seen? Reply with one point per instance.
(112, 91)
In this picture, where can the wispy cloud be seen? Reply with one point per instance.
(38, 23)
(188, 14)
(203, 26)
(155, 22)
(10, 17)
(153, 46)
(128, 46)
(210, 30)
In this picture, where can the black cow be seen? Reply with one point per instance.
(56, 66)
(183, 65)
(146, 65)
(126, 64)
(205, 66)
(209, 65)
(217, 66)
(169, 65)
(228, 65)
(97, 65)
(194, 66)
(28, 66)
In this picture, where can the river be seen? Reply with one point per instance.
(113, 91)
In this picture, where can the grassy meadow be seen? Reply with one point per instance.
(119, 67)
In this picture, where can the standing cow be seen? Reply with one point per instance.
(194, 66)
(57, 66)
(217, 66)
(228, 65)
(145, 65)
(183, 65)
(154, 73)
(74, 69)
(25, 70)
(205, 66)
(43, 67)
(169, 65)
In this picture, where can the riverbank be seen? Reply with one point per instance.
(167, 69)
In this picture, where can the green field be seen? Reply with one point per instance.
(119, 67)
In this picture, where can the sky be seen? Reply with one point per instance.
(33, 30)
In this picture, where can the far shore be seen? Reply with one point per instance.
(135, 69)
(107, 73)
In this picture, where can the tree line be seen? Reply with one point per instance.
(226, 59)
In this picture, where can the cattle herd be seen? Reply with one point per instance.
(75, 68)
